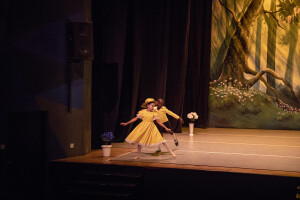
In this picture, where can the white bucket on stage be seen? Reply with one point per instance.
(106, 149)
(191, 126)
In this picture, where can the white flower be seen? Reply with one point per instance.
(192, 116)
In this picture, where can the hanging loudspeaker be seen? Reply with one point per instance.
(80, 41)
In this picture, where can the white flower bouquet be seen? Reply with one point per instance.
(192, 116)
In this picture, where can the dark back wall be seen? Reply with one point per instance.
(34, 73)
(44, 99)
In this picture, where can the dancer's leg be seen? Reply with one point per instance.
(175, 138)
(160, 129)
(169, 149)
(139, 152)
(158, 149)
(168, 124)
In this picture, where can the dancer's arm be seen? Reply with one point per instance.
(161, 124)
(169, 112)
(129, 122)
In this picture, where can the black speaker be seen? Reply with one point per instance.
(80, 41)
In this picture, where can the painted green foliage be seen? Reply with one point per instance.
(255, 50)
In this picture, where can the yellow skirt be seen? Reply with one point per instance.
(146, 134)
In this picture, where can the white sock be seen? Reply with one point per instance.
(169, 149)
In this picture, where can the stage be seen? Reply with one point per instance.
(237, 159)
(275, 152)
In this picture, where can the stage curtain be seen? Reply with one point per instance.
(149, 48)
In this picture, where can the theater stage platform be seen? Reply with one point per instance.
(232, 163)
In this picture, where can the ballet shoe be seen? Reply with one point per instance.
(176, 142)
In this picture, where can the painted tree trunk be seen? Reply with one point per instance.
(258, 47)
(236, 58)
(272, 28)
(293, 32)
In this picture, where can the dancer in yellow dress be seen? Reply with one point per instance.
(146, 132)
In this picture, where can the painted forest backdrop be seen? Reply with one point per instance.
(255, 64)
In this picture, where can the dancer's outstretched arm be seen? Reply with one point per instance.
(129, 122)
(169, 112)
(161, 124)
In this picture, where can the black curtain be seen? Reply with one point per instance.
(149, 48)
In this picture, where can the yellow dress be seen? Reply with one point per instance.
(146, 132)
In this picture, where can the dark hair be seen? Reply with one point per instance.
(150, 103)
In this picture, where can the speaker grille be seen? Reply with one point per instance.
(80, 41)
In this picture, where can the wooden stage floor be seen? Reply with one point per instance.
(259, 145)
